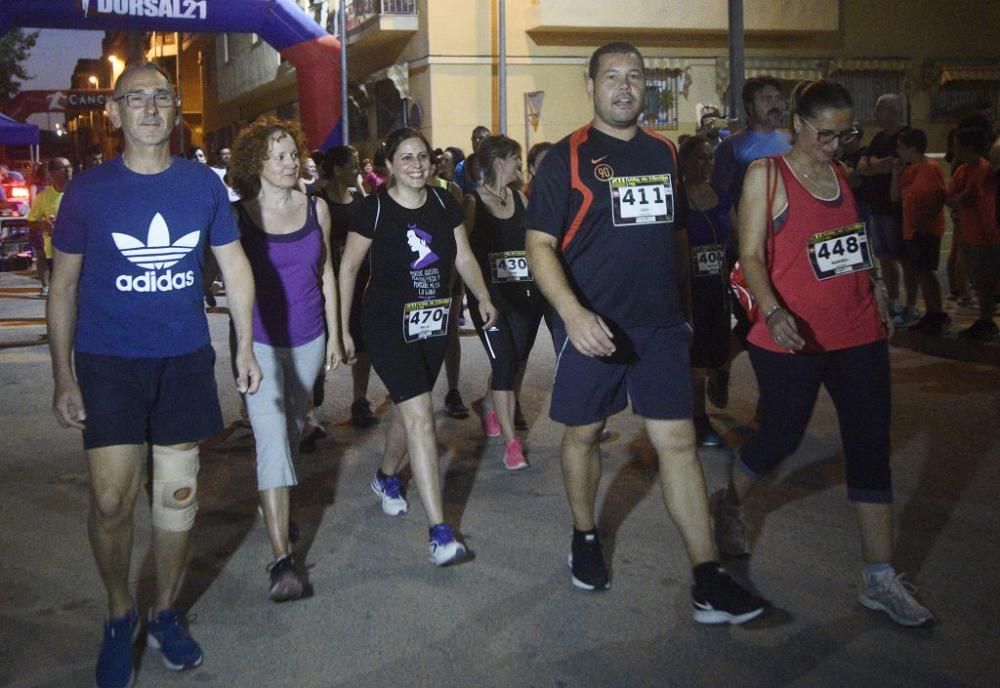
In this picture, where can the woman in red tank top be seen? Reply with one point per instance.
(824, 321)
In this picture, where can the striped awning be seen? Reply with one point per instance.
(867, 64)
(969, 73)
(786, 69)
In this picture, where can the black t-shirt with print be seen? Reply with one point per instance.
(412, 251)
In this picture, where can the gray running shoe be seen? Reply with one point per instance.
(890, 594)
(732, 533)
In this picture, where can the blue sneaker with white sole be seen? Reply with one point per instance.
(178, 649)
(116, 663)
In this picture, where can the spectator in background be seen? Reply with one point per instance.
(958, 282)
(765, 108)
(918, 184)
(885, 222)
(198, 154)
(708, 127)
(42, 216)
(467, 173)
(973, 192)
(535, 156)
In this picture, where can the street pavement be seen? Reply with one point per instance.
(380, 615)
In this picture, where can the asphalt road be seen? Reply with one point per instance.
(381, 615)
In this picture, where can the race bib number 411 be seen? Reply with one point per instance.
(840, 251)
(424, 319)
(641, 200)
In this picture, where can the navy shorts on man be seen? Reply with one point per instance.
(650, 368)
(165, 401)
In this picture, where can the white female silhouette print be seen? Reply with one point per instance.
(420, 243)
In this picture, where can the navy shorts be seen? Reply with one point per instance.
(651, 367)
(164, 401)
(886, 235)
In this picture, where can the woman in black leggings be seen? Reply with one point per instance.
(495, 216)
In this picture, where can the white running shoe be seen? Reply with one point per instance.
(391, 492)
(445, 549)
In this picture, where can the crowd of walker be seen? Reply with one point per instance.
(622, 243)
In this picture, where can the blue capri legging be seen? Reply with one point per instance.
(858, 381)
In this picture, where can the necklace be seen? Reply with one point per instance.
(502, 198)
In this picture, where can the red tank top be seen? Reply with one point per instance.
(812, 253)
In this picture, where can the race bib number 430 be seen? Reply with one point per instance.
(424, 319)
(509, 266)
(840, 251)
(641, 200)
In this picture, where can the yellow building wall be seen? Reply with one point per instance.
(454, 67)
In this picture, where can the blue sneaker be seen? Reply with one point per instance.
(445, 549)
(178, 648)
(115, 666)
(390, 489)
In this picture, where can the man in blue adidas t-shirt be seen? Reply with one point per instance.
(601, 243)
(131, 354)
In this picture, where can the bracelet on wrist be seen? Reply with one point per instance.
(770, 313)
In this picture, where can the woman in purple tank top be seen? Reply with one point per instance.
(286, 236)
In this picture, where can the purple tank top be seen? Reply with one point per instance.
(287, 273)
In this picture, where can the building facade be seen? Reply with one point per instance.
(434, 63)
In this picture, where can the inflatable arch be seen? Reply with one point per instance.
(314, 53)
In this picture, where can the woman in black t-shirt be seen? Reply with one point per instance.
(415, 235)
(495, 215)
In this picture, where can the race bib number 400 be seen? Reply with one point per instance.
(840, 251)
(641, 200)
(509, 266)
(707, 260)
(424, 319)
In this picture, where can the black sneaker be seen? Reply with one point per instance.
(308, 443)
(361, 414)
(980, 331)
(587, 562)
(706, 433)
(932, 323)
(285, 582)
(455, 406)
(718, 599)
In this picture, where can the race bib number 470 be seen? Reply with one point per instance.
(840, 251)
(424, 319)
(641, 200)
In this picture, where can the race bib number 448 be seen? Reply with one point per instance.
(423, 319)
(641, 200)
(840, 251)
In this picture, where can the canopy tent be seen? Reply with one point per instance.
(15, 133)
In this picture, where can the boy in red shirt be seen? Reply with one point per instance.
(918, 183)
(973, 192)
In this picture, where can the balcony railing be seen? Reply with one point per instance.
(360, 11)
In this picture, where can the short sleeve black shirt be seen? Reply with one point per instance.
(413, 250)
(614, 207)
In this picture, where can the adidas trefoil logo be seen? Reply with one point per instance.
(156, 254)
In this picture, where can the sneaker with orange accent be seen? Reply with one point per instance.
(491, 424)
(513, 457)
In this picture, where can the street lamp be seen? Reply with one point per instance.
(92, 80)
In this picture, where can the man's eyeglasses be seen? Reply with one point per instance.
(825, 136)
(137, 100)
